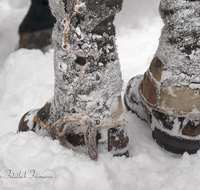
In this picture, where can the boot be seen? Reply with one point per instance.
(36, 29)
(167, 95)
(86, 112)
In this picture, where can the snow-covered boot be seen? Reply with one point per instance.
(86, 110)
(36, 28)
(168, 94)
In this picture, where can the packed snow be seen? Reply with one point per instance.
(32, 162)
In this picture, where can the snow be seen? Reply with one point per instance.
(32, 162)
(173, 54)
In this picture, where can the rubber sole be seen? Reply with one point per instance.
(174, 144)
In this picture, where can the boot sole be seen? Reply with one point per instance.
(174, 144)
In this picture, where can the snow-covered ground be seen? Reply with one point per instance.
(28, 161)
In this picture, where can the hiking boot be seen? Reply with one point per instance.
(86, 111)
(36, 29)
(167, 95)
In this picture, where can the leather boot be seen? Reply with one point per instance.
(36, 28)
(168, 94)
(86, 111)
